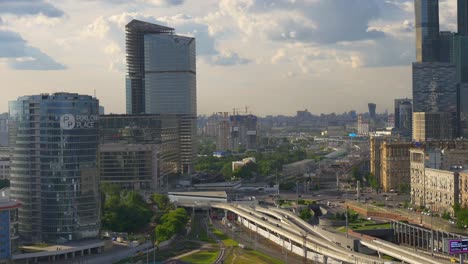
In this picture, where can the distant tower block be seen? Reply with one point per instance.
(372, 107)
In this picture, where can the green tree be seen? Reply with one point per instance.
(161, 201)
(305, 214)
(125, 213)
(170, 224)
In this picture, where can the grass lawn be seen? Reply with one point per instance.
(242, 256)
(201, 257)
(228, 242)
(373, 226)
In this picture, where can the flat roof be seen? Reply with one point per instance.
(221, 194)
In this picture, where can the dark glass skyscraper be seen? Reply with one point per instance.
(398, 102)
(162, 79)
(135, 36)
(427, 30)
(462, 17)
(372, 108)
(161, 70)
(54, 140)
(446, 46)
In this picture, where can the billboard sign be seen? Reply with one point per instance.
(69, 121)
(457, 246)
(352, 135)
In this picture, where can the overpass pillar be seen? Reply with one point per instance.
(419, 237)
(325, 259)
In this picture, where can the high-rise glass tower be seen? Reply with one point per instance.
(161, 79)
(462, 17)
(54, 140)
(161, 70)
(427, 30)
(398, 102)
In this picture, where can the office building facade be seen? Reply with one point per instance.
(395, 164)
(433, 126)
(4, 167)
(462, 17)
(243, 132)
(446, 46)
(150, 144)
(54, 141)
(436, 190)
(161, 79)
(436, 180)
(399, 102)
(4, 129)
(427, 30)
(8, 227)
(434, 87)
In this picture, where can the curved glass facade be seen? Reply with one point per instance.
(54, 166)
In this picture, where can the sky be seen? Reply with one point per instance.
(273, 56)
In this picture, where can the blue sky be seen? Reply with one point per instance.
(274, 56)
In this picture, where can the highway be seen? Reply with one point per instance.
(284, 226)
(314, 244)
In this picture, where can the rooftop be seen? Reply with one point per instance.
(147, 27)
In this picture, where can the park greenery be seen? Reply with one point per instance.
(461, 213)
(266, 163)
(124, 211)
(170, 224)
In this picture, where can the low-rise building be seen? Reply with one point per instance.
(239, 164)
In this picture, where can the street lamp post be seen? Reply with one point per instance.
(346, 217)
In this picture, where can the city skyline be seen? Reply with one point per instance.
(298, 61)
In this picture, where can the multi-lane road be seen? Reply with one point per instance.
(285, 228)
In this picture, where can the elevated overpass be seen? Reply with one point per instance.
(302, 244)
(291, 232)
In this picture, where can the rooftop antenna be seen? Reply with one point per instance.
(94, 93)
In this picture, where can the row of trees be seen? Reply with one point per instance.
(170, 224)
